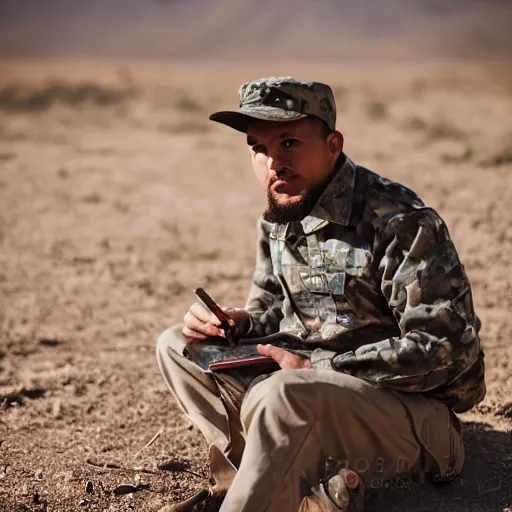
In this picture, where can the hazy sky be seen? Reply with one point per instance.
(251, 28)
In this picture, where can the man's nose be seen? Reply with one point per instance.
(274, 164)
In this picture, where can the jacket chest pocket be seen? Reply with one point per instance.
(314, 293)
(338, 256)
(322, 281)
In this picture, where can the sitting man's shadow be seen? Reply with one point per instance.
(485, 483)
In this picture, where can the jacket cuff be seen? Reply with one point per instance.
(321, 359)
(250, 329)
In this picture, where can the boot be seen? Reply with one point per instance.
(343, 491)
(208, 499)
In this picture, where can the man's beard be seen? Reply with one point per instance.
(282, 214)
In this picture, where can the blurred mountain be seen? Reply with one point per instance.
(255, 29)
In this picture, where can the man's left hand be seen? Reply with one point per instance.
(285, 359)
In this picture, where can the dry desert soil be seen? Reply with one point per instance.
(118, 197)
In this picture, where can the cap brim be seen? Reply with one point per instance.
(240, 120)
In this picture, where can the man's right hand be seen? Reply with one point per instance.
(200, 323)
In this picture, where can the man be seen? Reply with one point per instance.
(368, 277)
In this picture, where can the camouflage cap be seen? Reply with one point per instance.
(280, 99)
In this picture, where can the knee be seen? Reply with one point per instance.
(278, 395)
(172, 338)
(311, 385)
(312, 393)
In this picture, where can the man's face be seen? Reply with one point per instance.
(292, 160)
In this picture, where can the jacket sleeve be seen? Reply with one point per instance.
(427, 290)
(264, 303)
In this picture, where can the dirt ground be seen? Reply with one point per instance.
(118, 197)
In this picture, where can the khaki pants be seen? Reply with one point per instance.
(291, 421)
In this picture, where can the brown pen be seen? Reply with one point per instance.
(227, 324)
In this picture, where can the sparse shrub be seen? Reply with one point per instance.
(168, 255)
(502, 157)
(146, 286)
(187, 104)
(439, 129)
(63, 173)
(185, 126)
(443, 129)
(376, 110)
(22, 98)
(93, 198)
(121, 206)
(209, 255)
(466, 156)
(170, 227)
(5, 156)
(415, 123)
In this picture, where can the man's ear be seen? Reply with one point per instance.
(335, 143)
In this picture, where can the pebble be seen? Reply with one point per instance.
(57, 409)
(125, 489)
(129, 488)
(49, 342)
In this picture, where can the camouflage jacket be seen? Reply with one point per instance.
(372, 283)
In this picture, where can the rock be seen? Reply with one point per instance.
(49, 342)
(89, 487)
(33, 392)
(38, 474)
(172, 465)
(129, 488)
(504, 410)
(11, 400)
(125, 489)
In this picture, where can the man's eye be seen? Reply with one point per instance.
(260, 149)
(290, 143)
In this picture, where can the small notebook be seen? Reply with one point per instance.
(216, 355)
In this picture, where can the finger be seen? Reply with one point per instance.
(278, 354)
(192, 335)
(275, 353)
(262, 349)
(285, 359)
(207, 329)
(203, 314)
(265, 350)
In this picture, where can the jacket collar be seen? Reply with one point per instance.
(335, 203)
